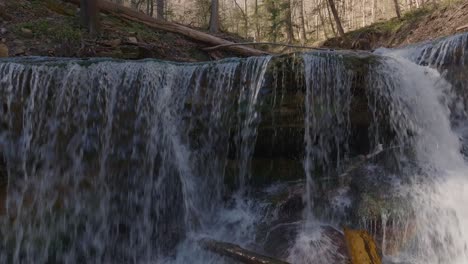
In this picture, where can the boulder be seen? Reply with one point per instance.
(132, 40)
(27, 32)
(3, 50)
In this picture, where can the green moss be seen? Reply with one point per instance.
(198, 54)
(69, 30)
(372, 206)
(393, 25)
(143, 31)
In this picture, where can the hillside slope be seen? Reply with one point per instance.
(428, 23)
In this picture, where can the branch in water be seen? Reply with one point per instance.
(238, 253)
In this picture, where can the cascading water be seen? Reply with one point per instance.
(134, 162)
(413, 101)
(116, 161)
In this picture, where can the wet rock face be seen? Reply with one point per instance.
(282, 97)
(3, 185)
(367, 199)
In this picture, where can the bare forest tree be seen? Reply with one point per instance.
(304, 21)
(214, 18)
(339, 27)
(90, 15)
(397, 8)
(161, 5)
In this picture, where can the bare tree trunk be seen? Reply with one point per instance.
(246, 18)
(349, 14)
(289, 25)
(152, 8)
(363, 10)
(214, 18)
(244, 15)
(322, 20)
(303, 28)
(339, 27)
(397, 9)
(160, 8)
(90, 15)
(330, 21)
(316, 19)
(257, 24)
(374, 10)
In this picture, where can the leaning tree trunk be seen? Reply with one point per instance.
(339, 27)
(214, 18)
(330, 20)
(90, 15)
(397, 9)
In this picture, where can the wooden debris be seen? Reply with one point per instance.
(238, 253)
(361, 247)
(263, 43)
(462, 28)
(134, 15)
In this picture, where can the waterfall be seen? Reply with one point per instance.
(115, 161)
(412, 103)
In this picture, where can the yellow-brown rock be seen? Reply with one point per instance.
(361, 247)
(3, 50)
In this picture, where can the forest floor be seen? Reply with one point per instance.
(424, 24)
(52, 28)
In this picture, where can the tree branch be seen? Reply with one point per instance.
(238, 253)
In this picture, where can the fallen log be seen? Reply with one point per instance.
(361, 247)
(238, 253)
(462, 28)
(133, 15)
(263, 43)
